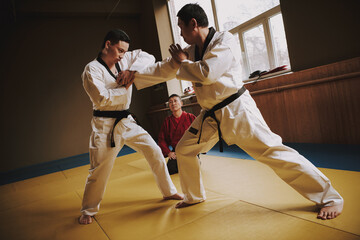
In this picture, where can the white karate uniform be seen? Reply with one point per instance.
(106, 95)
(216, 77)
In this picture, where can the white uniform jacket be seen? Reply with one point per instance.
(213, 82)
(104, 92)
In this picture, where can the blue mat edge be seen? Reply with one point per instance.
(51, 167)
(335, 156)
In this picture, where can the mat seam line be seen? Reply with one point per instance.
(302, 219)
(286, 214)
(194, 220)
(102, 229)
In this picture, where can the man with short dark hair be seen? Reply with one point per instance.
(112, 124)
(229, 112)
(173, 129)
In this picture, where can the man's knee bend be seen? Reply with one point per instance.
(181, 150)
(157, 166)
(178, 148)
(152, 151)
(185, 152)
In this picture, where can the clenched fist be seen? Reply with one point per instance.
(125, 78)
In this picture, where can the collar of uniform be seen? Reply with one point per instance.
(206, 43)
(99, 59)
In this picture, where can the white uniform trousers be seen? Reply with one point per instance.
(241, 123)
(102, 158)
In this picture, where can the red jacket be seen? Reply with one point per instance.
(172, 130)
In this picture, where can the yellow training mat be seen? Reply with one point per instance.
(53, 218)
(138, 203)
(242, 221)
(256, 183)
(245, 200)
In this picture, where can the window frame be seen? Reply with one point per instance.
(264, 20)
(261, 19)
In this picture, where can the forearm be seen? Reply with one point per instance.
(156, 73)
(139, 60)
(214, 64)
(102, 96)
(197, 72)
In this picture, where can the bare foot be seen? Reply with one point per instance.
(330, 212)
(176, 196)
(85, 219)
(183, 204)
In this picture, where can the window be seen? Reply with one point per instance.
(255, 47)
(263, 43)
(232, 13)
(257, 24)
(279, 40)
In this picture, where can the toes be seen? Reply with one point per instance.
(85, 220)
(321, 215)
(332, 215)
(89, 220)
(326, 215)
(329, 212)
(179, 197)
(182, 205)
(179, 204)
(174, 197)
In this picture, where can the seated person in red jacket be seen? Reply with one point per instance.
(173, 129)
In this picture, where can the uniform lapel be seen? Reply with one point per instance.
(180, 124)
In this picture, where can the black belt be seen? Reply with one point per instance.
(211, 113)
(118, 115)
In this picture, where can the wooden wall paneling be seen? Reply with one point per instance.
(324, 115)
(353, 107)
(347, 109)
(320, 113)
(272, 106)
(338, 129)
(300, 107)
(327, 112)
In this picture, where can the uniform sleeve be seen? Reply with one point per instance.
(215, 63)
(162, 139)
(93, 82)
(138, 60)
(156, 73)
